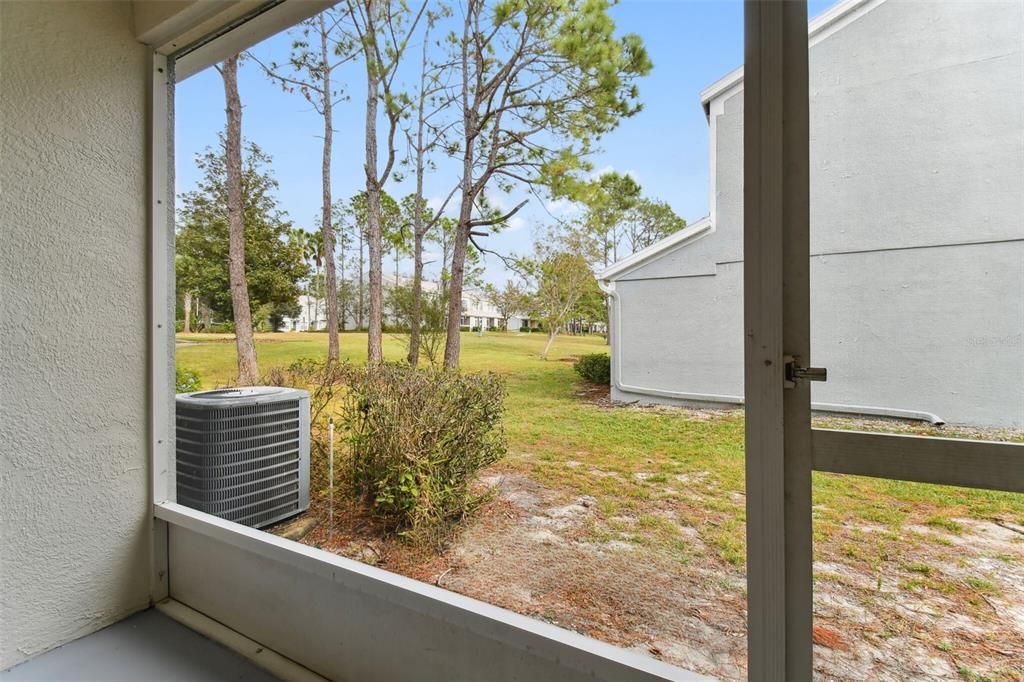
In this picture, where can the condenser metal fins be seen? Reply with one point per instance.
(243, 453)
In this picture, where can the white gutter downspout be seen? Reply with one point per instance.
(917, 415)
(608, 287)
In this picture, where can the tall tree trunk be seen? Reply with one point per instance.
(244, 344)
(452, 346)
(374, 349)
(551, 339)
(325, 222)
(342, 300)
(186, 305)
(316, 297)
(362, 282)
(453, 342)
(416, 314)
(309, 302)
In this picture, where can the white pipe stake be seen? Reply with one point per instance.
(330, 478)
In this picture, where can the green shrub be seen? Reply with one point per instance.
(220, 328)
(417, 438)
(186, 380)
(325, 382)
(595, 368)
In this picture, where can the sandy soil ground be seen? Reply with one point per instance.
(920, 614)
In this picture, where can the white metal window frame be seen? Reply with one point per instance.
(781, 447)
(568, 655)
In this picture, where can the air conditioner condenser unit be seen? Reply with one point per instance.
(243, 453)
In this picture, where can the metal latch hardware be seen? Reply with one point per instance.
(795, 373)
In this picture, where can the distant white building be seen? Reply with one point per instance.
(478, 312)
(312, 316)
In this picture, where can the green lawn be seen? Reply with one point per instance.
(645, 458)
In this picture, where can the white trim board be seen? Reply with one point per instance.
(987, 465)
(673, 242)
(834, 19)
(265, 657)
(266, 20)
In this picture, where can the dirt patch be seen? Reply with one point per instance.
(544, 560)
(595, 394)
(296, 527)
(558, 558)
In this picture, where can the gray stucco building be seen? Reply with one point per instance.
(917, 228)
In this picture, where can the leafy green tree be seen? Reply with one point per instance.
(274, 259)
(443, 237)
(275, 313)
(617, 219)
(355, 220)
(349, 221)
(561, 283)
(312, 253)
(608, 200)
(649, 221)
(423, 222)
(509, 300)
(539, 82)
(433, 307)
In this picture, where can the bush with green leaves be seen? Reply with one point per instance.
(595, 368)
(325, 382)
(417, 438)
(220, 328)
(186, 380)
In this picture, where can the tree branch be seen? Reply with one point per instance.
(510, 263)
(484, 222)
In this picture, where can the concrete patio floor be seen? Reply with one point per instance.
(146, 646)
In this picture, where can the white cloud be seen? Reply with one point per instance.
(498, 201)
(515, 223)
(562, 207)
(434, 203)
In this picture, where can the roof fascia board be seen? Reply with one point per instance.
(199, 33)
(833, 19)
(670, 243)
(169, 25)
(235, 37)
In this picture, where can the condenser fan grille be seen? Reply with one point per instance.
(243, 454)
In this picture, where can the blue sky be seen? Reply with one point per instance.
(665, 147)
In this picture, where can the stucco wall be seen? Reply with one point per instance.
(917, 150)
(74, 501)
